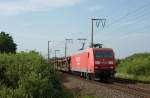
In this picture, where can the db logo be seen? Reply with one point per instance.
(78, 60)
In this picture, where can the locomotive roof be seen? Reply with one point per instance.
(91, 49)
(101, 49)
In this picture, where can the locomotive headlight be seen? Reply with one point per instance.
(110, 62)
(97, 62)
(111, 67)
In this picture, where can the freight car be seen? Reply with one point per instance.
(92, 63)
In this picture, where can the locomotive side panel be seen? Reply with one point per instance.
(79, 62)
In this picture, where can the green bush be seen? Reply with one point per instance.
(28, 75)
(137, 64)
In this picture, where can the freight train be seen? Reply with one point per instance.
(93, 63)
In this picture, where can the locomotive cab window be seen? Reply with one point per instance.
(99, 54)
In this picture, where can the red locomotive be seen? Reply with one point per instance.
(92, 63)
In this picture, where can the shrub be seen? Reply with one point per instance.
(28, 75)
(137, 64)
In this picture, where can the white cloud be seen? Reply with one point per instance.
(95, 8)
(10, 7)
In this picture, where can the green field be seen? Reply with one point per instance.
(135, 67)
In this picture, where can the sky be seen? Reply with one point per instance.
(32, 23)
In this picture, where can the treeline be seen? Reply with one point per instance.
(7, 44)
(137, 66)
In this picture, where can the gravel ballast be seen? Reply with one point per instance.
(80, 87)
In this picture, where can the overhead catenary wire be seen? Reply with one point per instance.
(141, 20)
(136, 17)
(128, 14)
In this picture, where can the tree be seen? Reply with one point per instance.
(7, 44)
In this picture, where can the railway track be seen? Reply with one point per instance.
(117, 85)
(133, 90)
(133, 85)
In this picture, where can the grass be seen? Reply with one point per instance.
(133, 77)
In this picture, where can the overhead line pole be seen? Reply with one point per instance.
(56, 52)
(65, 47)
(98, 21)
(56, 58)
(92, 35)
(48, 51)
(66, 40)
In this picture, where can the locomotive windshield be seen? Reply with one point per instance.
(100, 54)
